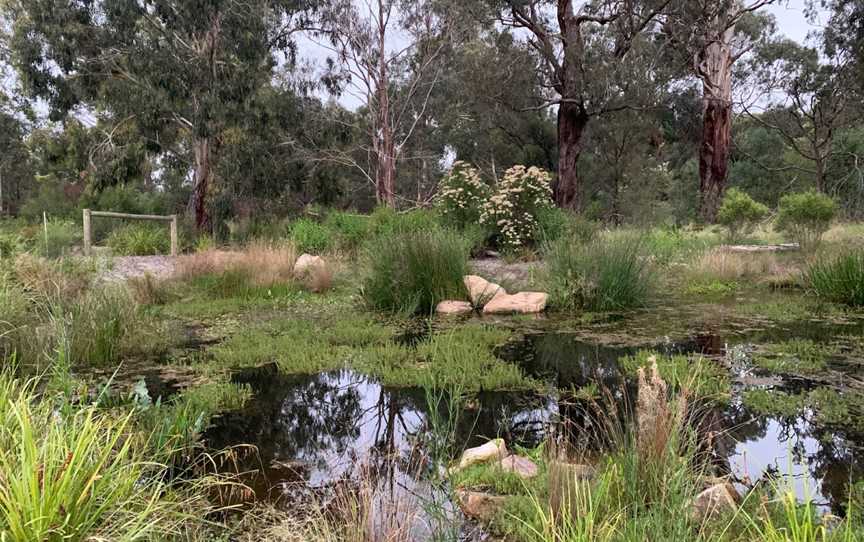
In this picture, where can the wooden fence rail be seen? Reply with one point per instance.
(88, 232)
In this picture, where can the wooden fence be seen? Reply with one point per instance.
(88, 233)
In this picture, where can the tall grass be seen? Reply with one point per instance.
(412, 271)
(840, 279)
(602, 275)
(75, 474)
(139, 240)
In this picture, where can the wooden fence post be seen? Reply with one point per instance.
(87, 232)
(174, 235)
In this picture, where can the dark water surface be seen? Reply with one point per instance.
(314, 431)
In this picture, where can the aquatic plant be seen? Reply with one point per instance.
(411, 272)
(840, 279)
(801, 356)
(598, 276)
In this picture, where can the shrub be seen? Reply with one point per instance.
(512, 211)
(349, 229)
(385, 221)
(739, 213)
(461, 193)
(10, 245)
(139, 240)
(413, 271)
(598, 276)
(310, 236)
(840, 279)
(806, 216)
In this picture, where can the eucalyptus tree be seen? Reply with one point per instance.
(390, 56)
(182, 70)
(711, 36)
(808, 101)
(584, 49)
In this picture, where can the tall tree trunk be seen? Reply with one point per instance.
(203, 172)
(715, 70)
(572, 121)
(385, 174)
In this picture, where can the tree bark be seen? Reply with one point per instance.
(572, 121)
(715, 69)
(714, 156)
(203, 172)
(385, 174)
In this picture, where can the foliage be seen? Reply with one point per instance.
(139, 240)
(413, 271)
(840, 279)
(512, 211)
(76, 474)
(739, 213)
(461, 194)
(385, 221)
(310, 236)
(348, 229)
(554, 223)
(702, 377)
(600, 275)
(805, 217)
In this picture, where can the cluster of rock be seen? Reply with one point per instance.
(481, 505)
(564, 480)
(491, 298)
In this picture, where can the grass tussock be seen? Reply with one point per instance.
(840, 279)
(723, 265)
(600, 275)
(412, 271)
(77, 474)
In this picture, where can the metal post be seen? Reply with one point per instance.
(87, 233)
(174, 235)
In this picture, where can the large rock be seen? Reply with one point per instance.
(481, 291)
(521, 466)
(521, 303)
(494, 450)
(307, 263)
(454, 307)
(479, 506)
(717, 498)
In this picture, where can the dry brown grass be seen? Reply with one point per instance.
(265, 264)
(51, 279)
(721, 264)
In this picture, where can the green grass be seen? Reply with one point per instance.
(311, 237)
(139, 240)
(840, 279)
(830, 407)
(77, 474)
(598, 276)
(411, 272)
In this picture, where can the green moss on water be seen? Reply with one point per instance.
(700, 376)
(796, 356)
(711, 288)
(830, 407)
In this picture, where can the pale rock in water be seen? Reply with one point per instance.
(494, 450)
(521, 303)
(481, 291)
(478, 505)
(717, 498)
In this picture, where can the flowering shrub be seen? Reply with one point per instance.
(461, 194)
(512, 211)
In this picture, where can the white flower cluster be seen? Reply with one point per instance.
(512, 210)
(461, 193)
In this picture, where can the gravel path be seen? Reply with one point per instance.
(126, 267)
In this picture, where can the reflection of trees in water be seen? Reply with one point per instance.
(834, 459)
